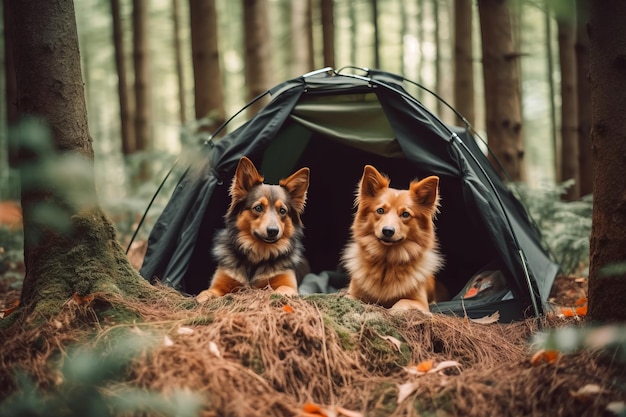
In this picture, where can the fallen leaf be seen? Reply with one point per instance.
(588, 392)
(10, 309)
(542, 355)
(581, 301)
(406, 389)
(348, 413)
(397, 343)
(184, 330)
(288, 309)
(214, 349)
(445, 365)
(617, 407)
(167, 342)
(425, 366)
(493, 318)
(314, 410)
(80, 300)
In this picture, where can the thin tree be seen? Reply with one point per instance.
(302, 57)
(141, 60)
(607, 67)
(9, 65)
(502, 88)
(208, 90)
(376, 34)
(583, 88)
(126, 109)
(463, 60)
(258, 50)
(84, 257)
(328, 32)
(565, 16)
(178, 58)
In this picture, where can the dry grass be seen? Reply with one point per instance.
(259, 354)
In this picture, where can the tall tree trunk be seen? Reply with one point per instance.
(126, 112)
(178, 57)
(301, 37)
(258, 51)
(141, 58)
(437, 41)
(9, 64)
(552, 91)
(565, 15)
(353, 33)
(328, 32)
(584, 97)
(502, 88)
(208, 90)
(376, 41)
(83, 257)
(463, 62)
(607, 67)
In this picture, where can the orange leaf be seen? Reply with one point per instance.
(425, 366)
(581, 311)
(10, 308)
(288, 309)
(313, 409)
(549, 356)
(82, 300)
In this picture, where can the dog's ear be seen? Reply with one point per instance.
(246, 177)
(426, 193)
(372, 182)
(297, 185)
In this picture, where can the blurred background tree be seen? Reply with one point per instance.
(148, 66)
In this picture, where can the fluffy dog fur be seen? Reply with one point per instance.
(393, 253)
(261, 244)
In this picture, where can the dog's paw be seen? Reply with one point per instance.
(205, 296)
(286, 290)
(406, 305)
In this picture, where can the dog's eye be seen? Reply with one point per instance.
(258, 208)
(380, 210)
(405, 215)
(282, 211)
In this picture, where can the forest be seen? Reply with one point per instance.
(122, 120)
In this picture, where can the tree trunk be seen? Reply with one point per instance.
(83, 257)
(9, 65)
(463, 62)
(565, 16)
(126, 112)
(584, 98)
(376, 41)
(502, 89)
(328, 32)
(301, 37)
(178, 57)
(607, 68)
(208, 91)
(141, 58)
(258, 51)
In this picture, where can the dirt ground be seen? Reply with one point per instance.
(259, 354)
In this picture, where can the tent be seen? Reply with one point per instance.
(335, 122)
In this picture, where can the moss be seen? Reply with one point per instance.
(383, 400)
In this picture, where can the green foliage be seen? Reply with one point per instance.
(610, 339)
(88, 388)
(565, 225)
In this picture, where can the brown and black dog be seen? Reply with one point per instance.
(261, 245)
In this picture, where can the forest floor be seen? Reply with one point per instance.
(260, 354)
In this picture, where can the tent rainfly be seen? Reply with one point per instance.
(336, 122)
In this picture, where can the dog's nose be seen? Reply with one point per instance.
(388, 231)
(272, 231)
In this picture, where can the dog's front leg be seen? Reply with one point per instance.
(284, 283)
(222, 283)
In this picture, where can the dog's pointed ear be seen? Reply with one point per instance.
(297, 185)
(246, 177)
(372, 182)
(426, 193)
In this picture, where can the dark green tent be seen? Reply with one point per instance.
(335, 123)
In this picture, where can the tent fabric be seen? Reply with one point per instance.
(335, 124)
